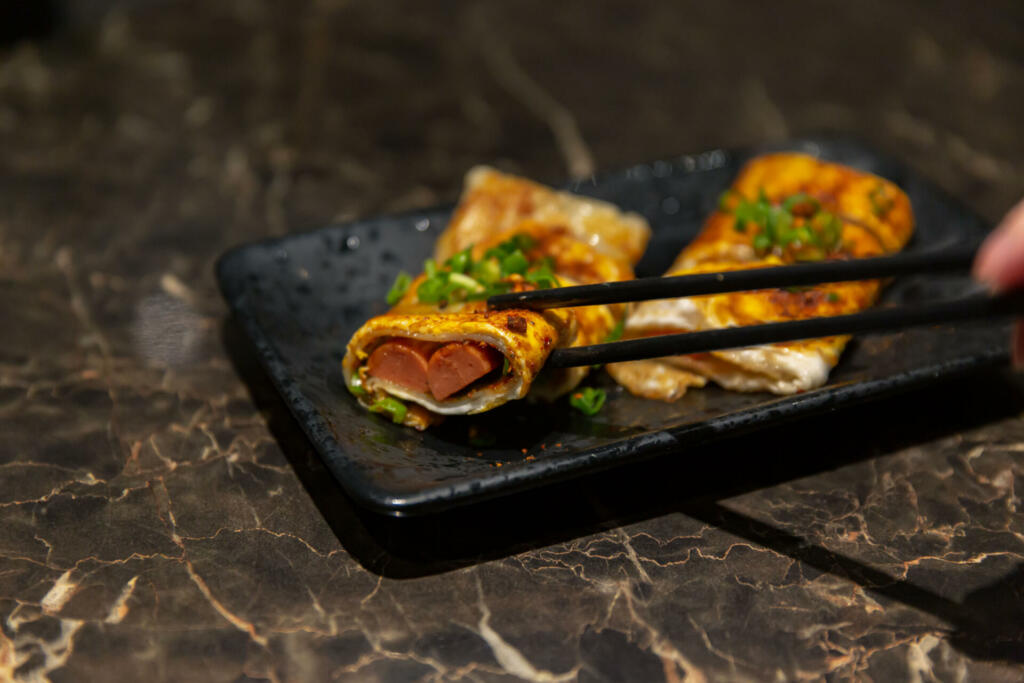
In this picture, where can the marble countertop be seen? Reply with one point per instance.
(161, 515)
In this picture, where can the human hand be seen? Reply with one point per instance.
(1000, 264)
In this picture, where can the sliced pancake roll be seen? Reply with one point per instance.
(440, 351)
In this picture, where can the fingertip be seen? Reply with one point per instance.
(982, 267)
(1000, 259)
(991, 262)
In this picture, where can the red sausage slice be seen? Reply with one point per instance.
(402, 361)
(457, 365)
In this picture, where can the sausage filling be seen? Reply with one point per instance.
(430, 367)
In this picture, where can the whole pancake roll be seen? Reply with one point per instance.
(440, 351)
(781, 209)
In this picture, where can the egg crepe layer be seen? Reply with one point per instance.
(580, 240)
(832, 212)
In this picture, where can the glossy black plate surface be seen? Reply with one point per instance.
(299, 299)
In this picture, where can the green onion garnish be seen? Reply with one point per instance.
(798, 225)
(514, 264)
(519, 242)
(542, 280)
(390, 406)
(461, 278)
(829, 227)
(588, 400)
(487, 271)
(833, 297)
(616, 332)
(880, 201)
(356, 387)
(399, 289)
(465, 282)
(444, 286)
(433, 288)
(460, 262)
(542, 275)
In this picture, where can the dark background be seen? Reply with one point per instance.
(162, 517)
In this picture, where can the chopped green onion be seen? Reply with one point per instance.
(487, 271)
(832, 232)
(745, 212)
(433, 289)
(461, 277)
(461, 261)
(588, 400)
(390, 406)
(398, 290)
(833, 297)
(443, 285)
(514, 263)
(808, 236)
(356, 387)
(880, 201)
(777, 223)
(520, 242)
(542, 280)
(465, 282)
(778, 226)
(506, 367)
(542, 275)
(616, 332)
(799, 237)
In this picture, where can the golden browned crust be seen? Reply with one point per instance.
(876, 219)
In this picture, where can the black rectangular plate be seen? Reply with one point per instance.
(299, 299)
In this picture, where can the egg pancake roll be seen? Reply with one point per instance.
(781, 209)
(440, 351)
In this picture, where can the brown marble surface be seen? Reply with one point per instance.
(162, 518)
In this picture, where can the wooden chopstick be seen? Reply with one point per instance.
(800, 274)
(881, 319)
